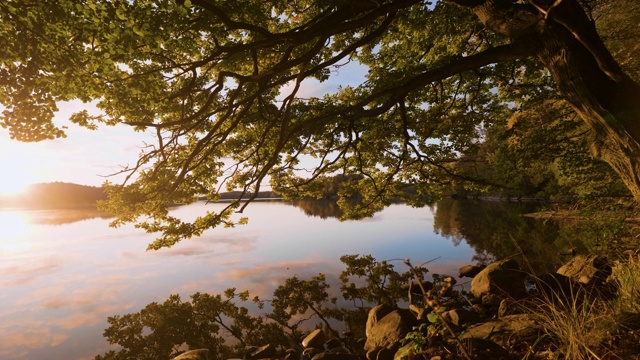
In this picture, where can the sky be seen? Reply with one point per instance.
(88, 157)
(83, 157)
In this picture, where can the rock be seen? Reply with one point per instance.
(590, 270)
(314, 340)
(491, 300)
(509, 307)
(263, 352)
(199, 354)
(372, 354)
(554, 286)
(485, 349)
(335, 356)
(309, 353)
(462, 317)
(339, 349)
(248, 350)
(479, 309)
(470, 270)
(521, 326)
(389, 331)
(332, 343)
(386, 354)
(359, 345)
(375, 314)
(503, 278)
(292, 354)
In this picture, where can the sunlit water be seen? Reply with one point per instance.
(61, 278)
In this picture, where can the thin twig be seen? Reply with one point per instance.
(435, 308)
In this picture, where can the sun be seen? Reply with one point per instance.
(12, 185)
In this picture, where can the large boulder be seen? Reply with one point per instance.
(314, 340)
(503, 278)
(262, 352)
(461, 317)
(501, 330)
(335, 356)
(375, 314)
(388, 331)
(470, 271)
(589, 270)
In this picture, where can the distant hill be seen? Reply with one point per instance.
(61, 195)
(56, 195)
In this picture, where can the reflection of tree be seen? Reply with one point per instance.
(498, 229)
(225, 325)
(323, 208)
(66, 216)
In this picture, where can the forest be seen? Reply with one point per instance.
(517, 99)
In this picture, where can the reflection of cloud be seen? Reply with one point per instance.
(16, 342)
(103, 290)
(26, 273)
(92, 316)
(207, 246)
(193, 286)
(264, 278)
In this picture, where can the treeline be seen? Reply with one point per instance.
(233, 195)
(55, 195)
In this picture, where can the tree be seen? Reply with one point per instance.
(220, 85)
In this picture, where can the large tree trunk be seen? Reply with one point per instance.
(568, 45)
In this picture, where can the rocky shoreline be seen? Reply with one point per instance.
(503, 315)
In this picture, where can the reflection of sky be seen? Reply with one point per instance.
(59, 283)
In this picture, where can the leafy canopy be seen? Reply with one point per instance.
(225, 86)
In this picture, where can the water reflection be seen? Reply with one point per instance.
(63, 272)
(497, 230)
(13, 226)
(323, 208)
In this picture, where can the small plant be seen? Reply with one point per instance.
(576, 323)
(416, 339)
(626, 276)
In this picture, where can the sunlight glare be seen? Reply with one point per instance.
(14, 227)
(12, 185)
(19, 165)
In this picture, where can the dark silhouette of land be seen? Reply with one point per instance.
(56, 195)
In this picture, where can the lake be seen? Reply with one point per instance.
(63, 272)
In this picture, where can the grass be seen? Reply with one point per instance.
(575, 325)
(579, 324)
(626, 274)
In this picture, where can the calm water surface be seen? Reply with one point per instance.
(63, 272)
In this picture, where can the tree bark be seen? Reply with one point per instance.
(567, 43)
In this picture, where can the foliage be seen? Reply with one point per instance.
(416, 339)
(225, 88)
(367, 281)
(221, 324)
(297, 298)
(625, 276)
